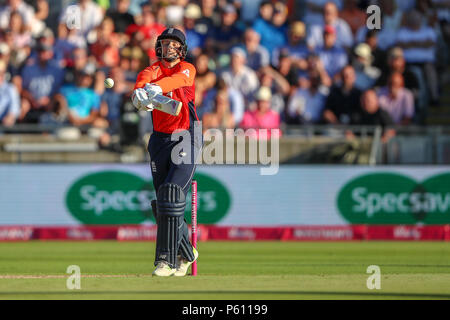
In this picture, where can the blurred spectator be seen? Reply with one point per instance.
(195, 40)
(271, 25)
(344, 36)
(315, 66)
(287, 68)
(21, 36)
(80, 102)
(314, 10)
(443, 10)
(146, 33)
(210, 18)
(366, 73)
(5, 53)
(428, 12)
(306, 105)
(80, 61)
(86, 12)
(296, 47)
(397, 64)
(279, 87)
(220, 116)
(9, 99)
(25, 10)
(353, 15)
(66, 43)
(135, 8)
(263, 117)
(204, 79)
(334, 58)
(234, 99)
(46, 38)
(419, 46)
(71, 36)
(257, 55)
(174, 15)
(344, 99)
(41, 81)
(41, 10)
(21, 40)
(248, 10)
(112, 101)
(371, 114)
(279, 21)
(404, 5)
(120, 15)
(379, 56)
(397, 100)
(239, 76)
(226, 35)
(106, 48)
(132, 61)
(12, 72)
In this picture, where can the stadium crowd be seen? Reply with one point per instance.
(259, 63)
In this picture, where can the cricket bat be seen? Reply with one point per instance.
(166, 104)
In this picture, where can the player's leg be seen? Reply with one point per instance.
(182, 175)
(170, 218)
(165, 172)
(159, 156)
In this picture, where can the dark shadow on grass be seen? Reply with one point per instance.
(233, 292)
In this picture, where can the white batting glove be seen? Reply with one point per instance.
(141, 100)
(152, 90)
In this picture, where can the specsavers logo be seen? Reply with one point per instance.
(118, 197)
(389, 198)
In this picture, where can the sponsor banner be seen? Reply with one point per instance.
(407, 233)
(75, 233)
(119, 194)
(137, 233)
(247, 233)
(330, 233)
(233, 233)
(394, 198)
(148, 233)
(16, 233)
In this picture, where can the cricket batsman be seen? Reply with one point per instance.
(173, 77)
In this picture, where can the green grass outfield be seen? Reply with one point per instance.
(228, 270)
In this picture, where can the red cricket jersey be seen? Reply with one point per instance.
(176, 83)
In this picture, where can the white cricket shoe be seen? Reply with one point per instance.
(163, 270)
(185, 264)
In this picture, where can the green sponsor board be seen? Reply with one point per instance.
(389, 198)
(118, 197)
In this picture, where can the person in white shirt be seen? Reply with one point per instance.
(344, 35)
(9, 99)
(314, 10)
(31, 22)
(241, 77)
(25, 10)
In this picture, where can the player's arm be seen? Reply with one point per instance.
(145, 76)
(184, 78)
(140, 97)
